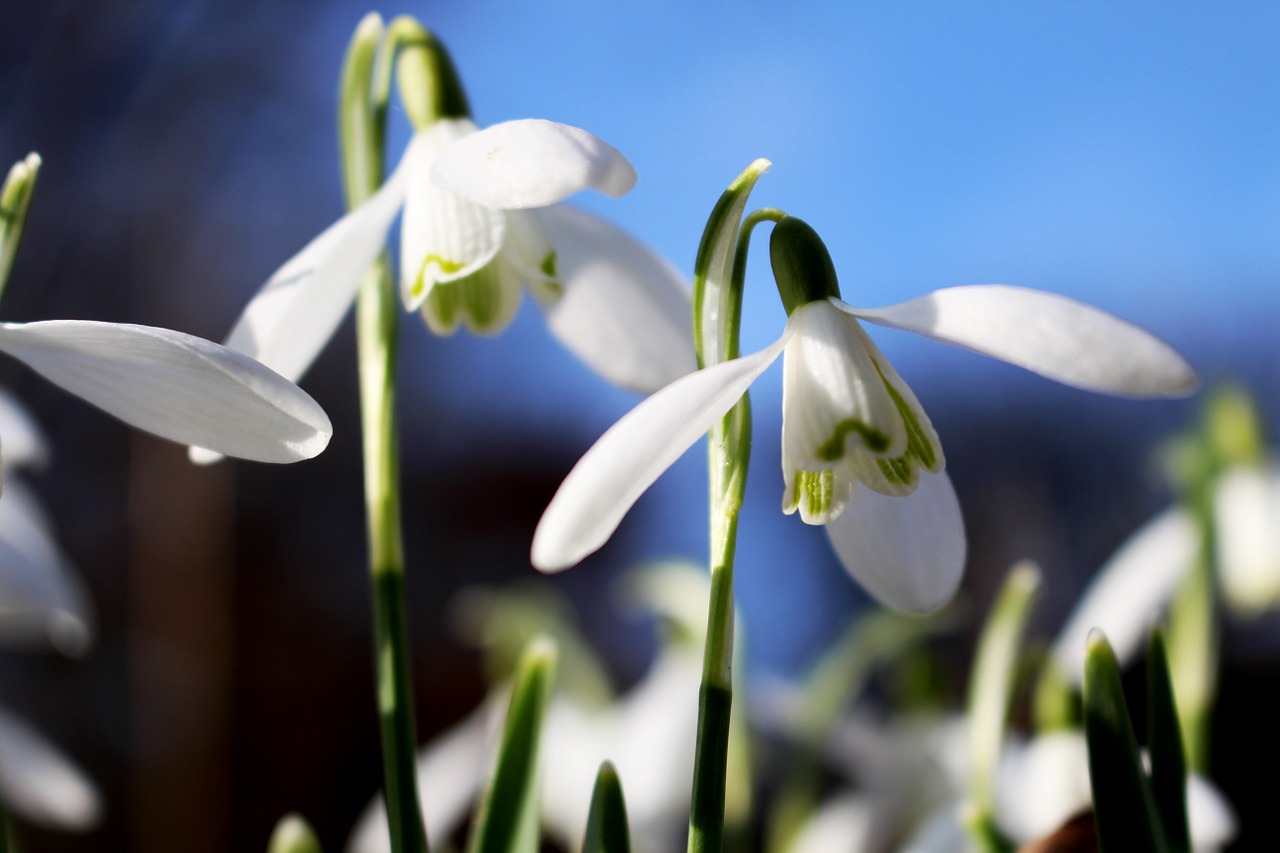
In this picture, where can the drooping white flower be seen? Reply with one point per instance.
(42, 784)
(848, 418)
(471, 240)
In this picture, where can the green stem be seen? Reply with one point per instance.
(728, 456)
(362, 131)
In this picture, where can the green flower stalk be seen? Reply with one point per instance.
(362, 127)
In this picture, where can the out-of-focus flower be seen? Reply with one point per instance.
(471, 239)
(41, 598)
(40, 783)
(648, 733)
(848, 418)
(1133, 588)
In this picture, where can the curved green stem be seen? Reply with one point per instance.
(362, 130)
(718, 309)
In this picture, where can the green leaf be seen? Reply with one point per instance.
(1122, 801)
(507, 821)
(607, 830)
(716, 309)
(15, 200)
(991, 687)
(1164, 744)
(293, 835)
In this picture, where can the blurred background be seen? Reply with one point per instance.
(1122, 156)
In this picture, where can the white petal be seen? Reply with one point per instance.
(176, 386)
(1247, 516)
(293, 316)
(633, 453)
(832, 394)
(1042, 783)
(1130, 591)
(1048, 334)
(41, 599)
(625, 311)
(845, 823)
(908, 551)
(443, 237)
(531, 163)
(20, 436)
(40, 783)
(1212, 820)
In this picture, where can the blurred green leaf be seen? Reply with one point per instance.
(507, 821)
(607, 830)
(1122, 801)
(1164, 745)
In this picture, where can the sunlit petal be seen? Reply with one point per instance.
(633, 453)
(21, 438)
(1046, 333)
(624, 310)
(293, 316)
(531, 163)
(176, 386)
(909, 551)
(443, 237)
(40, 783)
(1130, 591)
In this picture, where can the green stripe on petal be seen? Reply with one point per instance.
(833, 449)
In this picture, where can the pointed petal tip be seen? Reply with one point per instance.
(531, 163)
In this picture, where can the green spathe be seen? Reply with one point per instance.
(802, 266)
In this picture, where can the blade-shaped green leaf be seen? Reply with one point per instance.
(1122, 802)
(991, 687)
(607, 830)
(1164, 744)
(507, 821)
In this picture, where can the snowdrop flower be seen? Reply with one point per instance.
(859, 454)
(478, 225)
(173, 385)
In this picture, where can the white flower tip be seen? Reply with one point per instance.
(69, 634)
(551, 553)
(530, 163)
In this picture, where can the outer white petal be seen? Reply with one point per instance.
(40, 783)
(634, 452)
(1212, 820)
(22, 440)
(288, 322)
(1247, 516)
(531, 163)
(176, 386)
(41, 599)
(844, 823)
(908, 551)
(1048, 334)
(443, 237)
(625, 310)
(1042, 783)
(1130, 591)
